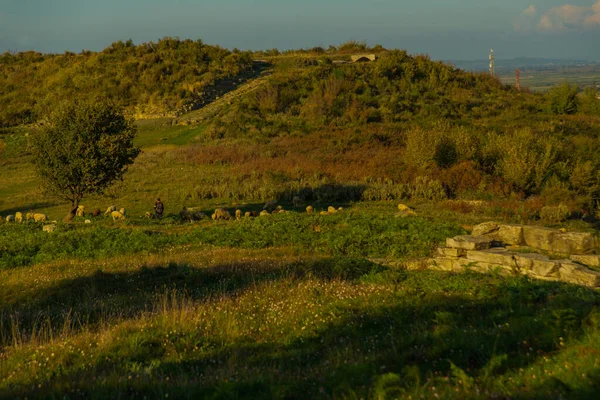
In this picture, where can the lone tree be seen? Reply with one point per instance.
(85, 147)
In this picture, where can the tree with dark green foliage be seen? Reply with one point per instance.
(86, 146)
(562, 99)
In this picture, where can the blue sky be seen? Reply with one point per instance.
(445, 29)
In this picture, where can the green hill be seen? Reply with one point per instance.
(150, 78)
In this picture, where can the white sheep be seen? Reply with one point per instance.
(80, 211)
(122, 211)
(110, 209)
(10, 218)
(117, 216)
(264, 213)
(40, 217)
(18, 217)
(310, 210)
(221, 213)
(238, 214)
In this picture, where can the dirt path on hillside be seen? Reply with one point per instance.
(213, 107)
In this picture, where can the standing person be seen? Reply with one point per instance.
(159, 207)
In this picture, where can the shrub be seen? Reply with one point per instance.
(555, 214)
(563, 99)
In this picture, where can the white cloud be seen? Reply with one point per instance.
(531, 10)
(526, 20)
(570, 17)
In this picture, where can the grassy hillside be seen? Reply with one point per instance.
(293, 306)
(150, 78)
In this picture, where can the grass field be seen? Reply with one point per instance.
(543, 80)
(287, 306)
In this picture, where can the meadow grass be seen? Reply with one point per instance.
(230, 323)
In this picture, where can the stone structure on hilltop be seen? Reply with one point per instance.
(510, 249)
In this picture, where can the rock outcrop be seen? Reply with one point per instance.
(498, 248)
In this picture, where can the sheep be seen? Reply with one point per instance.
(117, 216)
(405, 211)
(270, 205)
(247, 214)
(122, 211)
(310, 210)
(323, 213)
(110, 210)
(296, 201)
(18, 217)
(28, 216)
(148, 215)
(87, 221)
(80, 211)
(185, 215)
(96, 212)
(331, 210)
(238, 214)
(264, 213)
(221, 213)
(340, 209)
(10, 218)
(40, 217)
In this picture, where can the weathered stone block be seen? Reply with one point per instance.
(539, 238)
(545, 268)
(483, 267)
(444, 264)
(511, 235)
(450, 252)
(49, 228)
(573, 273)
(492, 256)
(589, 260)
(485, 228)
(525, 261)
(469, 242)
(573, 243)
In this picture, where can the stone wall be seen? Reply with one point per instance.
(512, 249)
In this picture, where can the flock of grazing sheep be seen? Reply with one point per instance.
(190, 215)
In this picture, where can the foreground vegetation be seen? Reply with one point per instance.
(299, 306)
(208, 322)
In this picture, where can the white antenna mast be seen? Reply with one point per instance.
(492, 63)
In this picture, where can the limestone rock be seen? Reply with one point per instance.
(525, 261)
(539, 238)
(485, 228)
(469, 242)
(545, 268)
(573, 273)
(589, 260)
(445, 264)
(495, 256)
(511, 235)
(573, 243)
(49, 228)
(483, 267)
(450, 252)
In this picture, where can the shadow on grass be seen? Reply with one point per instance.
(102, 296)
(430, 323)
(28, 208)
